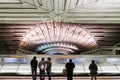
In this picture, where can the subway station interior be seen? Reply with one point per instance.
(81, 30)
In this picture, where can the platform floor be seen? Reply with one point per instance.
(59, 78)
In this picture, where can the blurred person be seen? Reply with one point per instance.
(41, 66)
(93, 70)
(34, 64)
(48, 68)
(70, 67)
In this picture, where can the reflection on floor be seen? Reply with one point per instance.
(59, 78)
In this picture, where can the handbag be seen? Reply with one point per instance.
(64, 71)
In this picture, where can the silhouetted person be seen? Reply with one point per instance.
(34, 64)
(48, 68)
(70, 67)
(93, 70)
(41, 66)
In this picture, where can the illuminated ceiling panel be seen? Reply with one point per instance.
(53, 37)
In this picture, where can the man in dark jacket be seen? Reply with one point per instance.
(93, 70)
(34, 64)
(70, 67)
(48, 68)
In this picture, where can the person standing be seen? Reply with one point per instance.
(93, 70)
(34, 64)
(70, 67)
(41, 66)
(48, 68)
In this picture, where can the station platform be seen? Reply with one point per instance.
(59, 78)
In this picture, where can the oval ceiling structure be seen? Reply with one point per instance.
(59, 37)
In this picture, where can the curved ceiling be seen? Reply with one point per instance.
(100, 18)
(106, 36)
(56, 35)
(75, 11)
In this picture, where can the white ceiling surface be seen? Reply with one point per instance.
(77, 11)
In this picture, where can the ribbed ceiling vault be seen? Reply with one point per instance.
(75, 11)
(106, 36)
(54, 36)
(100, 18)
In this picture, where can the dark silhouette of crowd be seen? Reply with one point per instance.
(69, 68)
(42, 65)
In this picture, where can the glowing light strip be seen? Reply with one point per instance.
(59, 48)
(65, 45)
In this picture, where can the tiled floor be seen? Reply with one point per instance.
(58, 78)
